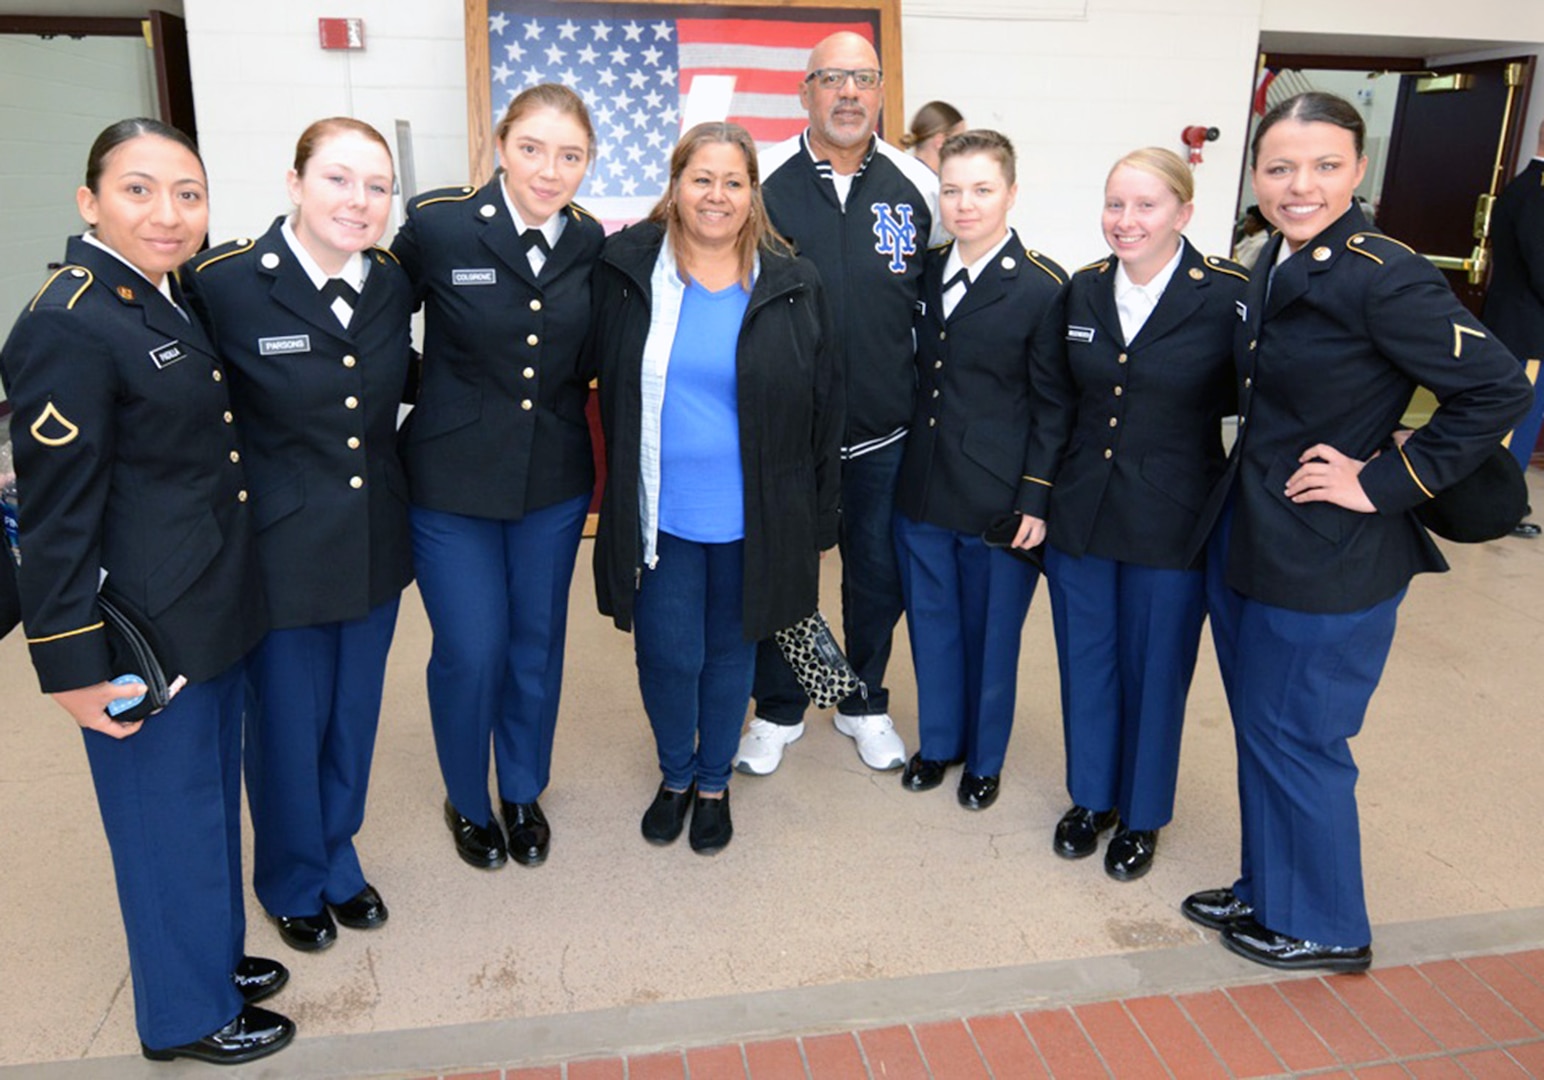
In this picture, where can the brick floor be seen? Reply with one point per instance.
(1473, 1019)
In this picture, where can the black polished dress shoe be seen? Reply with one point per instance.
(1077, 833)
(258, 977)
(977, 792)
(1215, 909)
(1130, 854)
(365, 910)
(530, 836)
(1528, 530)
(481, 846)
(308, 933)
(1254, 942)
(255, 1033)
(666, 815)
(924, 774)
(712, 828)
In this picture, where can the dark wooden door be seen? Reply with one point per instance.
(173, 73)
(1453, 147)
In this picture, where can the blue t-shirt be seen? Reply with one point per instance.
(702, 489)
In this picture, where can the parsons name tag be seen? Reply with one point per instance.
(283, 346)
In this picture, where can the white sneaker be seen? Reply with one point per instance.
(878, 744)
(762, 745)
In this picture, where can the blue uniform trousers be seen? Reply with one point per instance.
(1298, 685)
(316, 703)
(497, 597)
(694, 665)
(871, 595)
(1126, 644)
(1525, 436)
(965, 608)
(170, 797)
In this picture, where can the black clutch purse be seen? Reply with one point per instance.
(1000, 534)
(133, 650)
(818, 661)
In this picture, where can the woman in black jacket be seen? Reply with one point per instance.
(721, 492)
(312, 318)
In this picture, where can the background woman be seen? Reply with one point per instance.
(1316, 541)
(991, 311)
(721, 485)
(932, 124)
(1130, 434)
(499, 461)
(312, 320)
(130, 480)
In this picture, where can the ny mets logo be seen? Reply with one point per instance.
(897, 235)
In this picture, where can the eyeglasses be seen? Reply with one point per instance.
(836, 78)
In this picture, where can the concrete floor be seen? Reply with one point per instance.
(837, 876)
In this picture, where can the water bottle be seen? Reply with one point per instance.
(8, 502)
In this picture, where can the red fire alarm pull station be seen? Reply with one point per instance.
(342, 33)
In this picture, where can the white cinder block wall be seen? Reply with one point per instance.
(1072, 94)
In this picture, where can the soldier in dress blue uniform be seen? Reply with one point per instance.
(131, 482)
(1132, 440)
(312, 321)
(1315, 539)
(499, 461)
(990, 313)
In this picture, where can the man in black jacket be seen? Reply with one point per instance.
(1514, 305)
(864, 213)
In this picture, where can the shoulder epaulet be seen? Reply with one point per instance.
(1377, 247)
(382, 254)
(63, 287)
(940, 247)
(580, 211)
(1227, 266)
(1048, 264)
(1101, 266)
(224, 251)
(439, 195)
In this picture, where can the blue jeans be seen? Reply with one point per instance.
(871, 594)
(694, 664)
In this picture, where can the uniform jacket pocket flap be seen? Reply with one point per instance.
(997, 448)
(431, 418)
(278, 502)
(1328, 521)
(1168, 475)
(185, 560)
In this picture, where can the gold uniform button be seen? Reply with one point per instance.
(931, 422)
(1248, 382)
(526, 405)
(235, 456)
(1119, 390)
(532, 339)
(215, 374)
(351, 402)
(241, 496)
(356, 482)
(228, 417)
(1108, 454)
(1252, 345)
(353, 442)
(535, 305)
(349, 361)
(938, 363)
(1121, 359)
(1113, 421)
(942, 335)
(935, 393)
(77, 272)
(529, 373)
(1320, 254)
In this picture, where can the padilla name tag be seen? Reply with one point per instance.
(1085, 334)
(487, 276)
(168, 354)
(283, 346)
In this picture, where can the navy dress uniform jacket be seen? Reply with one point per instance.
(1354, 321)
(966, 454)
(499, 427)
(317, 404)
(1130, 432)
(127, 464)
(1514, 305)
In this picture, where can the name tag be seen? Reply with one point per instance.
(283, 346)
(474, 277)
(168, 354)
(1085, 334)
(1243, 310)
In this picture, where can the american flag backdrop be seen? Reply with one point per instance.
(644, 69)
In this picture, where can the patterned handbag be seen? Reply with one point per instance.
(818, 662)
